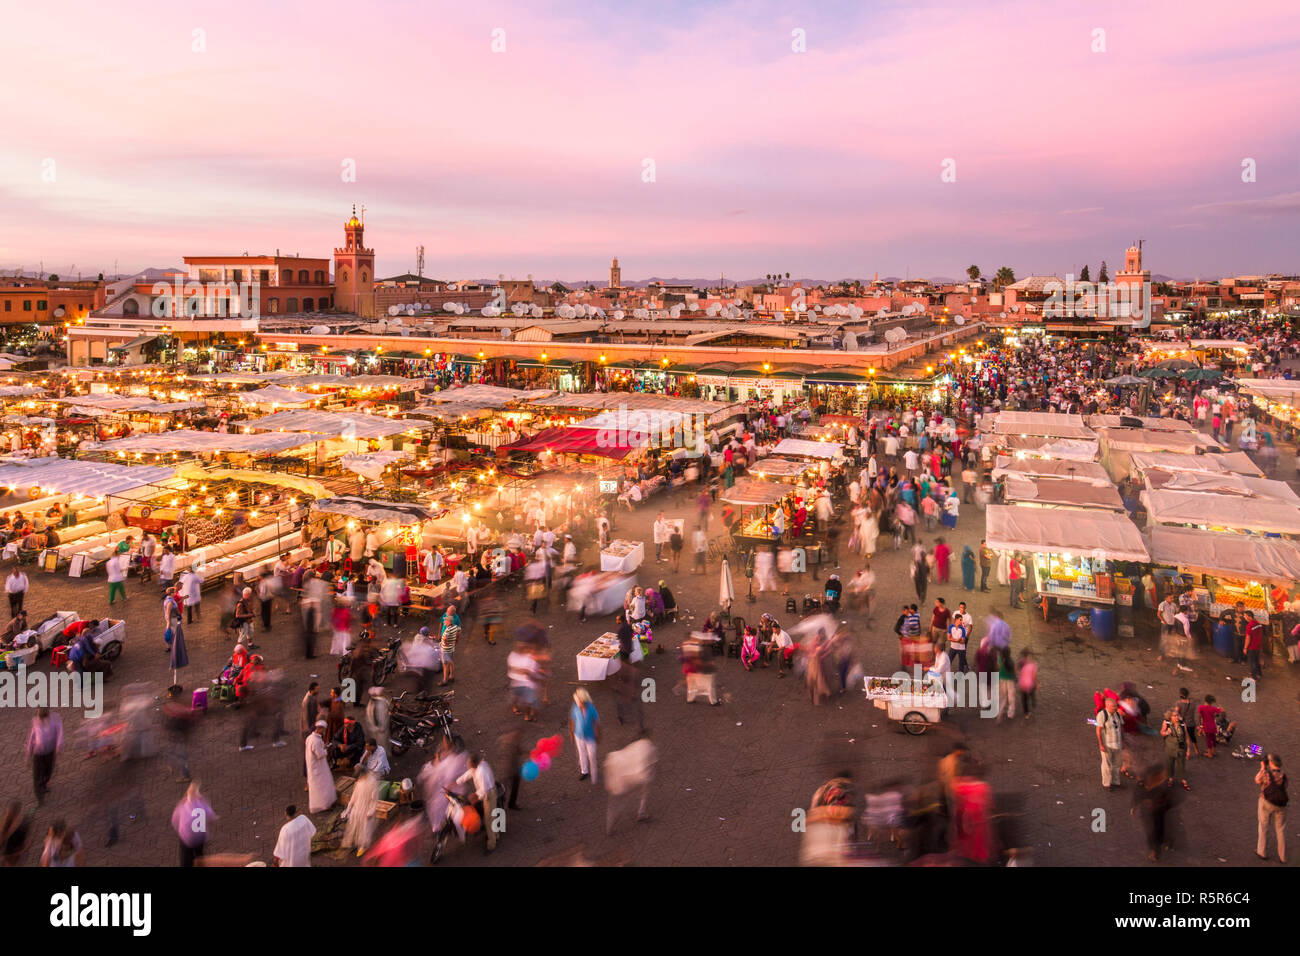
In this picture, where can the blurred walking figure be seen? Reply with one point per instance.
(1154, 798)
(584, 725)
(44, 741)
(1027, 680)
(1272, 806)
(628, 773)
(191, 820)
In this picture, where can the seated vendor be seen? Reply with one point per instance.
(349, 742)
(16, 626)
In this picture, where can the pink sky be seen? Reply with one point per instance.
(825, 163)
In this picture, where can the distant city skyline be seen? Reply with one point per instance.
(179, 131)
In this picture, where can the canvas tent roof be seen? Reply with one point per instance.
(275, 395)
(778, 468)
(1134, 421)
(396, 512)
(568, 440)
(1088, 471)
(750, 492)
(802, 448)
(1043, 424)
(495, 396)
(337, 424)
(197, 442)
(1274, 560)
(64, 476)
(1074, 449)
(1224, 484)
(1107, 534)
(1262, 515)
(1062, 491)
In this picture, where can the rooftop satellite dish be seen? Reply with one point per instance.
(60, 312)
(392, 310)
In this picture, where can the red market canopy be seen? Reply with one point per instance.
(571, 441)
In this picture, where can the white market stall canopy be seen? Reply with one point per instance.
(347, 381)
(372, 465)
(1141, 439)
(20, 391)
(1133, 421)
(1037, 490)
(802, 448)
(197, 442)
(1042, 424)
(1086, 471)
(1075, 531)
(1236, 462)
(1280, 390)
(107, 403)
(64, 476)
(450, 411)
(336, 425)
(493, 396)
(394, 512)
(1263, 515)
(1073, 449)
(1274, 560)
(748, 492)
(779, 468)
(275, 395)
(1224, 484)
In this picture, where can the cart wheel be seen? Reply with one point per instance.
(112, 650)
(914, 723)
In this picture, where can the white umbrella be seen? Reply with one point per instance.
(726, 590)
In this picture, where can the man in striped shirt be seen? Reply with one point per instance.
(447, 644)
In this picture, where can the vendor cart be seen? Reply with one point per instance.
(915, 704)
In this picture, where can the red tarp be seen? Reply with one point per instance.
(571, 441)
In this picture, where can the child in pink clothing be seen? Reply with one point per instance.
(1026, 679)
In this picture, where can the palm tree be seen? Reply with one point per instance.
(1005, 276)
(974, 273)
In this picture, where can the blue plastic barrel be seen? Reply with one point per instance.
(1225, 639)
(1103, 623)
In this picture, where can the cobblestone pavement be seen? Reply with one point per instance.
(730, 776)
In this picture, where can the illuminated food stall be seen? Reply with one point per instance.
(1074, 550)
(1227, 568)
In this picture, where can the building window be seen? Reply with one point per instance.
(264, 275)
(27, 305)
(308, 305)
(209, 275)
(302, 277)
(130, 307)
(343, 277)
(237, 275)
(293, 304)
(364, 277)
(320, 277)
(274, 306)
(9, 306)
(41, 305)
(286, 277)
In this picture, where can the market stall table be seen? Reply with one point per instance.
(623, 556)
(599, 659)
